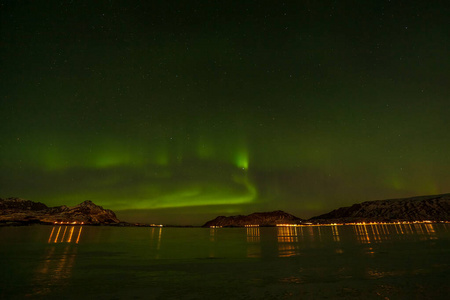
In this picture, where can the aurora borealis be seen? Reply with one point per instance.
(177, 111)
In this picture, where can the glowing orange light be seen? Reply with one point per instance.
(50, 238)
(56, 238)
(79, 233)
(71, 233)
(64, 234)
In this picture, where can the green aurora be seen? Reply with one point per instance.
(177, 112)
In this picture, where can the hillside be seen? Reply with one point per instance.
(16, 210)
(261, 219)
(433, 207)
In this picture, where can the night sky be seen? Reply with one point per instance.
(179, 111)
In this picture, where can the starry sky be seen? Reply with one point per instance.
(179, 111)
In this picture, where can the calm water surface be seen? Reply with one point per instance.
(409, 261)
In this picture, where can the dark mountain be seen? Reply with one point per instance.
(15, 210)
(434, 208)
(261, 219)
(20, 204)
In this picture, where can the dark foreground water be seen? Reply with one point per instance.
(409, 261)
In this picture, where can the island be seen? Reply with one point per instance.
(256, 219)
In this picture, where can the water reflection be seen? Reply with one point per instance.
(253, 235)
(362, 234)
(287, 241)
(212, 234)
(65, 234)
(55, 270)
(431, 232)
(253, 241)
(156, 234)
(62, 241)
(57, 263)
(377, 233)
(335, 230)
(212, 239)
(326, 257)
(292, 238)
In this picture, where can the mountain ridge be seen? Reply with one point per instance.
(258, 218)
(16, 210)
(419, 208)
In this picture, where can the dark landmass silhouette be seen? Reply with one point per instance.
(422, 208)
(16, 211)
(259, 218)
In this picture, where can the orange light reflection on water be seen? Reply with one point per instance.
(50, 238)
(253, 234)
(57, 264)
(71, 233)
(79, 234)
(287, 241)
(253, 241)
(63, 237)
(56, 238)
(335, 230)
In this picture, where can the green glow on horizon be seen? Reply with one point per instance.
(159, 186)
(196, 195)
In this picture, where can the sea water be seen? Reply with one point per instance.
(399, 261)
